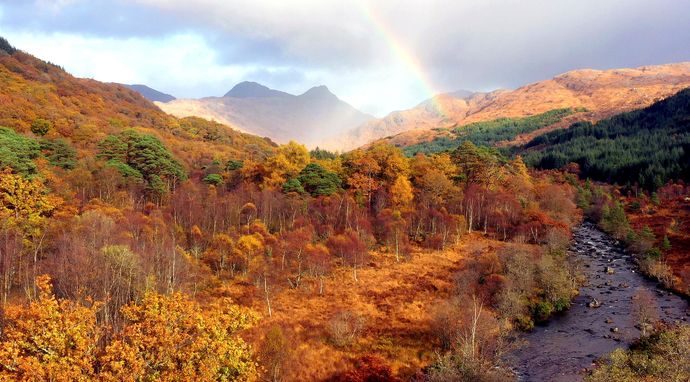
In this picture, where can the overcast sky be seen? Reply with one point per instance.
(378, 55)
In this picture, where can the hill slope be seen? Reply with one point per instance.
(602, 92)
(648, 147)
(85, 111)
(150, 93)
(312, 118)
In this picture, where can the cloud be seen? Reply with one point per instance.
(378, 55)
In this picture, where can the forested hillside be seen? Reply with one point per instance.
(489, 133)
(138, 246)
(646, 147)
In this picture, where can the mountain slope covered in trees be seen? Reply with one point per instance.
(41, 99)
(646, 147)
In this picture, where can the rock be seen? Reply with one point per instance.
(594, 303)
(608, 321)
(608, 283)
(609, 270)
(614, 329)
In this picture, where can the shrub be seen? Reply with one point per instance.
(345, 328)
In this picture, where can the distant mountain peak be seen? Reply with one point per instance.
(150, 93)
(320, 91)
(250, 89)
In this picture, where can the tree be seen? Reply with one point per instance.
(213, 179)
(41, 126)
(18, 152)
(49, 339)
(173, 338)
(275, 352)
(351, 249)
(59, 153)
(401, 193)
(142, 156)
(293, 185)
(285, 164)
(317, 181)
(644, 310)
(249, 245)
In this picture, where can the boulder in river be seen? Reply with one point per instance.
(594, 303)
(610, 271)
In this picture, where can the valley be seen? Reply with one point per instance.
(538, 233)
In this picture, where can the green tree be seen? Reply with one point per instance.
(214, 179)
(318, 181)
(142, 156)
(293, 185)
(41, 126)
(59, 153)
(18, 152)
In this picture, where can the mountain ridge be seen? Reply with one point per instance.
(313, 117)
(602, 92)
(150, 93)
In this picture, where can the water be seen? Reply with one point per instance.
(563, 348)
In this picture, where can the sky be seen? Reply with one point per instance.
(378, 55)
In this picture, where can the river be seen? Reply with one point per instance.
(561, 349)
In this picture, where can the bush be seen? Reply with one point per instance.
(541, 311)
(662, 356)
(345, 328)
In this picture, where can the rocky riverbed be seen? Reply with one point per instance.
(601, 318)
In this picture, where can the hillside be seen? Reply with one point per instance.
(601, 92)
(34, 93)
(150, 93)
(312, 118)
(645, 147)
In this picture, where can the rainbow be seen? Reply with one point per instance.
(398, 48)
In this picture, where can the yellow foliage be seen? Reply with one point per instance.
(289, 160)
(172, 338)
(48, 340)
(401, 193)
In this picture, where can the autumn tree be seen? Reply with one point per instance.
(173, 338)
(351, 249)
(49, 339)
(288, 161)
(249, 245)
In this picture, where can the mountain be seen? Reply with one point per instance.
(248, 89)
(150, 93)
(647, 147)
(313, 118)
(41, 99)
(601, 92)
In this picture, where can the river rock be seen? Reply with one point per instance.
(594, 303)
(609, 271)
(614, 329)
(608, 321)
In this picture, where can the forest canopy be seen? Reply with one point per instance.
(647, 147)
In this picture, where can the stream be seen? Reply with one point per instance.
(561, 349)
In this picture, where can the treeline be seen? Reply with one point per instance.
(490, 132)
(646, 147)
